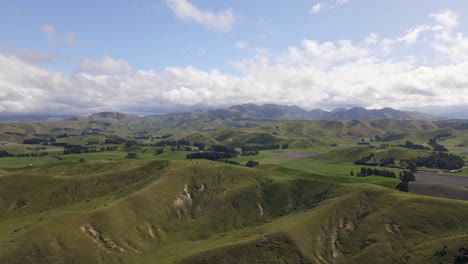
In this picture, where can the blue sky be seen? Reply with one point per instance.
(72, 57)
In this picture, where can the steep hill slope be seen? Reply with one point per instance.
(205, 212)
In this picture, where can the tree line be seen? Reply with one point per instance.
(440, 160)
(364, 172)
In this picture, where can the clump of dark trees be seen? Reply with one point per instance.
(131, 155)
(436, 146)
(462, 257)
(363, 142)
(4, 153)
(405, 178)
(252, 163)
(159, 151)
(389, 137)
(364, 172)
(249, 151)
(440, 160)
(211, 155)
(366, 160)
(369, 160)
(411, 145)
(220, 153)
(217, 152)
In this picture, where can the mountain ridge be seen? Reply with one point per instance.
(274, 112)
(250, 111)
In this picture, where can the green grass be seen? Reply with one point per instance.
(288, 211)
(172, 210)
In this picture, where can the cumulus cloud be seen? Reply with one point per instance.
(105, 66)
(185, 10)
(316, 8)
(447, 19)
(412, 35)
(311, 74)
(329, 5)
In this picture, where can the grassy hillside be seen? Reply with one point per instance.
(202, 212)
(202, 128)
(303, 203)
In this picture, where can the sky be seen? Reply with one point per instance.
(147, 57)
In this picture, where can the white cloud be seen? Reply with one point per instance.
(329, 5)
(372, 39)
(328, 53)
(221, 21)
(241, 45)
(454, 45)
(310, 74)
(105, 66)
(412, 35)
(456, 48)
(447, 19)
(316, 8)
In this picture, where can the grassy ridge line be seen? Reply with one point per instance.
(78, 236)
(363, 225)
(295, 133)
(152, 204)
(33, 192)
(196, 207)
(231, 201)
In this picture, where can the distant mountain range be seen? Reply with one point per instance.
(31, 118)
(252, 112)
(282, 112)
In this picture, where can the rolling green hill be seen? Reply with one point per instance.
(204, 212)
(74, 194)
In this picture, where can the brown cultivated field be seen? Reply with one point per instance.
(452, 179)
(439, 190)
(440, 185)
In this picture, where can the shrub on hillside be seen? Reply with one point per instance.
(252, 163)
(131, 155)
(3, 153)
